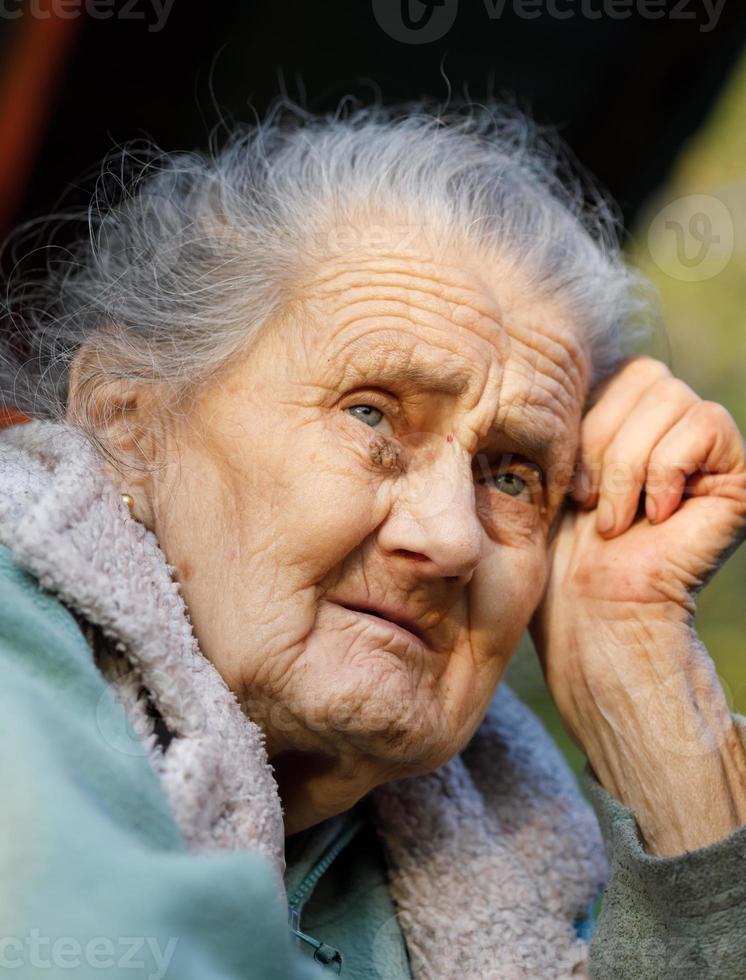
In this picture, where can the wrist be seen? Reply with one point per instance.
(642, 699)
(639, 693)
(681, 805)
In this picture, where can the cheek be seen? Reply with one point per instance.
(515, 524)
(505, 591)
(314, 502)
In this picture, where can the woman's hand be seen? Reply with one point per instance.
(614, 632)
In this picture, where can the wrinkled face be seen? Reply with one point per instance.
(358, 511)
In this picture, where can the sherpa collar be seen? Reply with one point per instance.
(491, 857)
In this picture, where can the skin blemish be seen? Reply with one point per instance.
(449, 437)
(385, 454)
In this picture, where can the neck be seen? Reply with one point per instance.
(314, 786)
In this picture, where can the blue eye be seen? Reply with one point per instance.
(504, 475)
(512, 484)
(367, 413)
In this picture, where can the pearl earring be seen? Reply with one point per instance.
(129, 501)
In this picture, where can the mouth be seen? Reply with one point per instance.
(400, 623)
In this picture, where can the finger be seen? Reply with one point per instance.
(626, 460)
(618, 398)
(705, 442)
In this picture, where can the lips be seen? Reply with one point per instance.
(388, 616)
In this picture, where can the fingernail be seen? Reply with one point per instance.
(651, 510)
(604, 516)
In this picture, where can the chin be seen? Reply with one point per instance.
(372, 719)
(365, 693)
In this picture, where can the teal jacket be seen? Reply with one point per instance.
(97, 879)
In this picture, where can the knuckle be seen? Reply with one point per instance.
(621, 473)
(660, 461)
(617, 459)
(649, 367)
(674, 389)
(716, 414)
(594, 433)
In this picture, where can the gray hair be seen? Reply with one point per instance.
(185, 257)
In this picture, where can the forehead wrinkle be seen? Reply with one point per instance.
(413, 289)
(536, 401)
(416, 320)
(396, 266)
(563, 355)
(558, 368)
(550, 390)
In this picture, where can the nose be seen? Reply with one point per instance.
(433, 521)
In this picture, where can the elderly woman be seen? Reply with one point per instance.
(321, 424)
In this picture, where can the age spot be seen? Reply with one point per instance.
(384, 453)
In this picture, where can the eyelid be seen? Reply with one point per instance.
(377, 397)
(514, 460)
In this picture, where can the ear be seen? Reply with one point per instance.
(120, 413)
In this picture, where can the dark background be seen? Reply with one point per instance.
(625, 93)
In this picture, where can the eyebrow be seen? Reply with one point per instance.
(530, 438)
(403, 367)
(452, 382)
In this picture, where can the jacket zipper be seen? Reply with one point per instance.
(323, 952)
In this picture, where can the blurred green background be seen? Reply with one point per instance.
(690, 240)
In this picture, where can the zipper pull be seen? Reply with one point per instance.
(322, 952)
